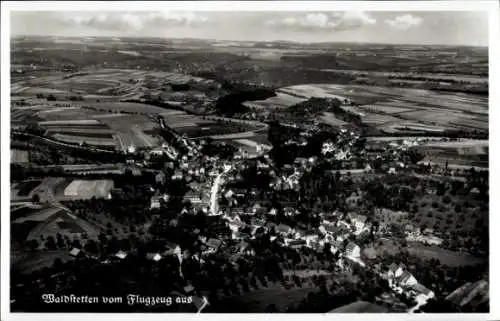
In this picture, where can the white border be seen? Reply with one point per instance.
(460, 5)
(494, 53)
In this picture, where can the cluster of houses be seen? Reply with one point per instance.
(403, 282)
(426, 237)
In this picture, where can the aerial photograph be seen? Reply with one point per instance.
(249, 162)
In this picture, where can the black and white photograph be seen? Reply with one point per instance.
(180, 160)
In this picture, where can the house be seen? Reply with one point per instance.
(289, 211)
(213, 245)
(353, 250)
(359, 222)
(121, 255)
(329, 230)
(245, 248)
(193, 197)
(235, 226)
(76, 252)
(395, 271)
(188, 289)
(160, 178)
(299, 233)
(284, 229)
(153, 256)
(155, 202)
(177, 175)
(273, 211)
(239, 236)
(311, 239)
(475, 191)
(202, 239)
(327, 221)
(336, 246)
(232, 217)
(420, 292)
(296, 244)
(237, 211)
(406, 279)
(353, 200)
(342, 223)
(392, 170)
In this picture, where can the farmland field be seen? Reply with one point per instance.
(19, 156)
(62, 221)
(84, 135)
(23, 211)
(27, 263)
(116, 107)
(257, 301)
(423, 107)
(330, 119)
(72, 139)
(281, 100)
(444, 256)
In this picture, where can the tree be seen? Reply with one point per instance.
(32, 244)
(35, 198)
(91, 246)
(271, 308)
(50, 243)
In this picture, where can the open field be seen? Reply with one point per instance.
(32, 221)
(59, 188)
(116, 107)
(92, 141)
(330, 119)
(257, 301)
(19, 156)
(281, 100)
(444, 256)
(65, 223)
(29, 262)
(21, 211)
(315, 90)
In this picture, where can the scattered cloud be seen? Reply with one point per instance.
(338, 21)
(135, 21)
(404, 22)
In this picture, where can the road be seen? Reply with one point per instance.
(71, 145)
(215, 190)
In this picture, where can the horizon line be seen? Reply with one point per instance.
(257, 41)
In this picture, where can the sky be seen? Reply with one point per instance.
(422, 27)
